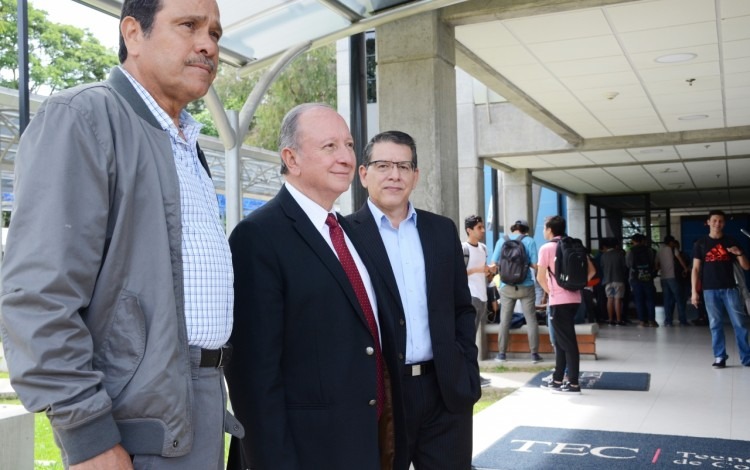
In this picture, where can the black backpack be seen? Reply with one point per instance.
(643, 266)
(514, 262)
(571, 264)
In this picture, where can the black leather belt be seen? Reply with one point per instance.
(420, 368)
(216, 357)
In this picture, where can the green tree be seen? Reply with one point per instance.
(60, 56)
(311, 77)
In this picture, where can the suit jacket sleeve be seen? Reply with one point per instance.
(254, 376)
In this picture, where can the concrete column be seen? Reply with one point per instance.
(576, 217)
(517, 199)
(417, 95)
(470, 167)
(16, 438)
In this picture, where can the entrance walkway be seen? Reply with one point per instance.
(687, 396)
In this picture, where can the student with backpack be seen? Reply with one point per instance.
(641, 261)
(564, 269)
(514, 255)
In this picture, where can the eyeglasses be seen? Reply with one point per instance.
(385, 166)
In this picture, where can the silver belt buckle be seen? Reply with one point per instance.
(416, 370)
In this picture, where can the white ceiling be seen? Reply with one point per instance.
(585, 69)
(595, 71)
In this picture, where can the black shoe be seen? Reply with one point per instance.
(613, 323)
(552, 385)
(719, 363)
(621, 323)
(568, 388)
(484, 381)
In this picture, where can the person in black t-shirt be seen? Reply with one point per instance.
(713, 259)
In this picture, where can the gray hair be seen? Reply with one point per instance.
(288, 132)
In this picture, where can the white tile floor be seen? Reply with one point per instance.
(686, 397)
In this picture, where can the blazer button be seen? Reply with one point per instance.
(175, 444)
(400, 356)
(401, 322)
(372, 403)
(369, 351)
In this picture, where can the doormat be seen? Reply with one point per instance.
(537, 448)
(631, 381)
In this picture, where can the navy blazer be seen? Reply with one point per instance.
(301, 380)
(451, 314)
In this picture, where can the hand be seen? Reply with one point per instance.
(695, 300)
(735, 250)
(116, 458)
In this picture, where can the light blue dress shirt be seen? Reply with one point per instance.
(404, 250)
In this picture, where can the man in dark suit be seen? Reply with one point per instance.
(418, 254)
(307, 365)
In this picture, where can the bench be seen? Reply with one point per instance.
(519, 339)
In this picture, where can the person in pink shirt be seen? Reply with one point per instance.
(563, 307)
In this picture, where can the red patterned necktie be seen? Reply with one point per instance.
(350, 268)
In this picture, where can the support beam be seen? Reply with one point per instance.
(479, 69)
(702, 136)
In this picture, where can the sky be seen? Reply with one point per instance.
(103, 27)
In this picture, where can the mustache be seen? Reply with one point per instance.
(203, 61)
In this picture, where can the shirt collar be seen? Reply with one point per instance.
(381, 218)
(312, 209)
(190, 127)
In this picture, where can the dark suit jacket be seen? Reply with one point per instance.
(300, 379)
(451, 314)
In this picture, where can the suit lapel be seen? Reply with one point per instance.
(318, 245)
(429, 251)
(367, 229)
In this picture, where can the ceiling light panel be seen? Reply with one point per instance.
(704, 53)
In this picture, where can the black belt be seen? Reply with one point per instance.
(216, 357)
(420, 368)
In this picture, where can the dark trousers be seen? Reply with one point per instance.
(644, 295)
(438, 439)
(566, 345)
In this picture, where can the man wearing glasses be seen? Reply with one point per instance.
(418, 256)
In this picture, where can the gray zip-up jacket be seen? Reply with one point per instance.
(93, 321)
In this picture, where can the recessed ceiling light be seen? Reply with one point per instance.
(648, 151)
(693, 117)
(676, 58)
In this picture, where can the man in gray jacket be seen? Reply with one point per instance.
(117, 280)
